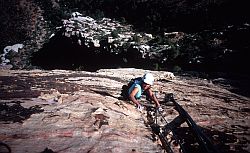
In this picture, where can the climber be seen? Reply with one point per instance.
(141, 86)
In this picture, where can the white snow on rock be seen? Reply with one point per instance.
(6, 50)
(13, 48)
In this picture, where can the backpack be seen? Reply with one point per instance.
(125, 88)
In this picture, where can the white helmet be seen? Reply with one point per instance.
(148, 78)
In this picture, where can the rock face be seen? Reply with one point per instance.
(78, 111)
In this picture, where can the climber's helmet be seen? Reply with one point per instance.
(148, 78)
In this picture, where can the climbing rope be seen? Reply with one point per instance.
(171, 142)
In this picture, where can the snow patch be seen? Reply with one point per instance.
(8, 49)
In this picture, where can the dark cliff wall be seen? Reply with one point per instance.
(33, 21)
(22, 21)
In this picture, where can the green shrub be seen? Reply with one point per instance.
(176, 68)
(115, 33)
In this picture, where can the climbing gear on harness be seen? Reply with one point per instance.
(159, 109)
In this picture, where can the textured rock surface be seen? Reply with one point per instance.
(77, 111)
